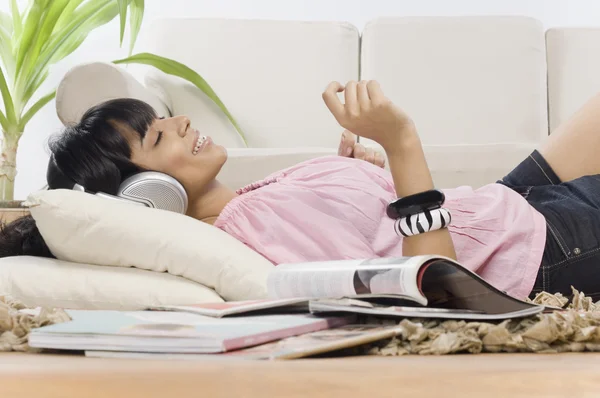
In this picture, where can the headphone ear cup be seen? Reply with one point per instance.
(155, 190)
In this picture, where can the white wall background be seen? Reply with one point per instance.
(102, 45)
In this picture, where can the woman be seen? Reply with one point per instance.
(536, 229)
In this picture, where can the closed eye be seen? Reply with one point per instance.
(158, 138)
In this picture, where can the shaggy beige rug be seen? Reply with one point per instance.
(576, 329)
(15, 324)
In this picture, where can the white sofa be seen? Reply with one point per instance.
(484, 92)
(477, 87)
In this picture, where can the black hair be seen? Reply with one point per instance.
(94, 153)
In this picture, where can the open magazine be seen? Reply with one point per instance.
(420, 286)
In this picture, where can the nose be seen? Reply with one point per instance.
(183, 124)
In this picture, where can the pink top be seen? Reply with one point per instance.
(333, 208)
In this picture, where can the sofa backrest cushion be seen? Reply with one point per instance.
(269, 74)
(466, 81)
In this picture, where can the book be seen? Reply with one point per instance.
(181, 332)
(309, 344)
(419, 286)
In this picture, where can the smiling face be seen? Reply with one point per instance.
(172, 147)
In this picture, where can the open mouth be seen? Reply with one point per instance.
(200, 143)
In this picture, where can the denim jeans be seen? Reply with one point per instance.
(572, 211)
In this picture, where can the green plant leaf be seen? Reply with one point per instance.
(53, 11)
(6, 56)
(92, 18)
(85, 19)
(123, 18)
(35, 108)
(6, 49)
(33, 86)
(67, 13)
(16, 18)
(136, 16)
(68, 47)
(175, 68)
(8, 101)
(6, 22)
(3, 122)
(30, 29)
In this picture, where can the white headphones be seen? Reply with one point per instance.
(147, 188)
(151, 189)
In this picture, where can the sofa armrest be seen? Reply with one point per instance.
(86, 85)
(247, 165)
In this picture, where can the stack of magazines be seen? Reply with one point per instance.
(313, 308)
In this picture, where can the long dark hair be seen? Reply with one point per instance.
(95, 153)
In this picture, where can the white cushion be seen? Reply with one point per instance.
(269, 74)
(465, 81)
(45, 282)
(84, 228)
(89, 84)
(573, 65)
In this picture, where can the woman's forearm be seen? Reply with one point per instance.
(367, 112)
(411, 175)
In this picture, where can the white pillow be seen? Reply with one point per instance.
(46, 282)
(85, 228)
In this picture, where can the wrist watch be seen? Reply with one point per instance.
(415, 204)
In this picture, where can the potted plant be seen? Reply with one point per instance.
(44, 33)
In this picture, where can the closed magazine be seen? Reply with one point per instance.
(309, 344)
(173, 332)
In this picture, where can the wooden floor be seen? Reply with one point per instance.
(497, 375)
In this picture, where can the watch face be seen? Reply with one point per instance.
(415, 204)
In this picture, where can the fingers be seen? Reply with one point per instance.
(346, 144)
(359, 152)
(375, 92)
(368, 155)
(379, 160)
(357, 97)
(363, 95)
(352, 107)
(332, 101)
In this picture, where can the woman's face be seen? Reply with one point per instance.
(172, 147)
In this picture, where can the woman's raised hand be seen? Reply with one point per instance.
(367, 112)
